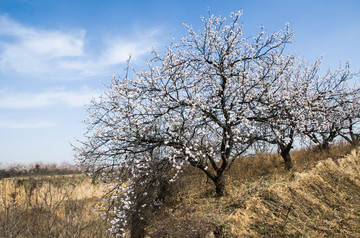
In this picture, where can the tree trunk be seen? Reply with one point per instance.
(220, 186)
(137, 227)
(324, 146)
(287, 159)
(285, 153)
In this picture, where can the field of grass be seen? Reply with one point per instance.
(49, 206)
(320, 197)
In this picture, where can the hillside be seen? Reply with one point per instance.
(320, 197)
(321, 201)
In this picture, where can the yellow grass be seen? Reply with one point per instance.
(49, 206)
(320, 197)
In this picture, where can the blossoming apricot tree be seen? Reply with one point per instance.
(203, 103)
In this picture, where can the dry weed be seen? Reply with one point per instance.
(49, 206)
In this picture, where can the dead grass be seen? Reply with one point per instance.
(320, 197)
(49, 206)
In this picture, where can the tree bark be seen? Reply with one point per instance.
(287, 159)
(137, 227)
(285, 152)
(324, 146)
(220, 186)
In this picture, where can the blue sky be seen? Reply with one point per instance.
(56, 55)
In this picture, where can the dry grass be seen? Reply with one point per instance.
(320, 197)
(49, 206)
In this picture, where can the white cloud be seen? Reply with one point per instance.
(26, 125)
(119, 49)
(10, 100)
(34, 51)
(48, 54)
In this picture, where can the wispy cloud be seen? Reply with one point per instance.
(19, 100)
(118, 48)
(58, 54)
(32, 51)
(28, 53)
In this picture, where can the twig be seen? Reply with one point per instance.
(287, 216)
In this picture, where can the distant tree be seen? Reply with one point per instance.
(299, 102)
(280, 111)
(351, 131)
(351, 116)
(332, 108)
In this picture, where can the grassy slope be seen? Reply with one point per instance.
(319, 198)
